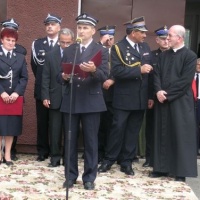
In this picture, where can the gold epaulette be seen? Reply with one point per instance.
(120, 57)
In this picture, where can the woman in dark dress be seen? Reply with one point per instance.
(13, 81)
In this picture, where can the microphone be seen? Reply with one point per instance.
(78, 41)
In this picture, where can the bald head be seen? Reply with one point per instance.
(176, 36)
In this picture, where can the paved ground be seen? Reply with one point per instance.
(194, 183)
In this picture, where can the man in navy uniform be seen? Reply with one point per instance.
(87, 101)
(12, 24)
(39, 48)
(52, 94)
(130, 61)
(107, 40)
(161, 40)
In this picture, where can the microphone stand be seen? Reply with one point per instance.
(68, 137)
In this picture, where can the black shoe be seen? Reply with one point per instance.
(54, 164)
(70, 183)
(41, 158)
(157, 174)
(104, 167)
(127, 170)
(100, 159)
(63, 162)
(136, 159)
(181, 179)
(83, 155)
(14, 157)
(8, 163)
(89, 186)
(146, 164)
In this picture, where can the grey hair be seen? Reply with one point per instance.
(180, 30)
(66, 31)
(198, 60)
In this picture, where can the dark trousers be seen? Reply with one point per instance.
(149, 133)
(123, 137)
(198, 123)
(55, 134)
(104, 129)
(42, 128)
(90, 125)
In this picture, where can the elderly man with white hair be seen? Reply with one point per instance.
(175, 130)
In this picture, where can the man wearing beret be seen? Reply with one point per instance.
(87, 100)
(161, 40)
(130, 61)
(12, 24)
(39, 48)
(107, 39)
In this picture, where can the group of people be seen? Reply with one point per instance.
(108, 99)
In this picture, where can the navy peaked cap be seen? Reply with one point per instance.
(52, 18)
(10, 23)
(136, 24)
(162, 31)
(85, 18)
(110, 30)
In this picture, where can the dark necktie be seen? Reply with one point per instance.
(82, 49)
(8, 54)
(51, 44)
(136, 47)
(197, 84)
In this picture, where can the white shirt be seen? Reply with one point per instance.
(54, 40)
(195, 77)
(6, 51)
(86, 45)
(131, 42)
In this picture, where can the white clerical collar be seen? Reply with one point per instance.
(54, 40)
(6, 51)
(176, 49)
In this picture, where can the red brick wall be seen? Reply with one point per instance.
(30, 15)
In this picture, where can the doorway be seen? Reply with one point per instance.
(192, 25)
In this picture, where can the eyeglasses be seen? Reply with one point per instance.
(169, 35)
(65, 43)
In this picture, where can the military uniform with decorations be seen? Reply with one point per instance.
(86, 106)
(12, 24)
(130, 99)
(13, 78)
(39, 49)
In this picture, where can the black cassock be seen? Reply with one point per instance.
(175, 129)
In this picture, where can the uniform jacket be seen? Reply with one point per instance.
(87, 93)
(17, 67)
(51, 89)
(132, 89)
(39, 49)
(19, 49)
(155, 55)
(108, 94)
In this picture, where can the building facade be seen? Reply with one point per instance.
(31, 15)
